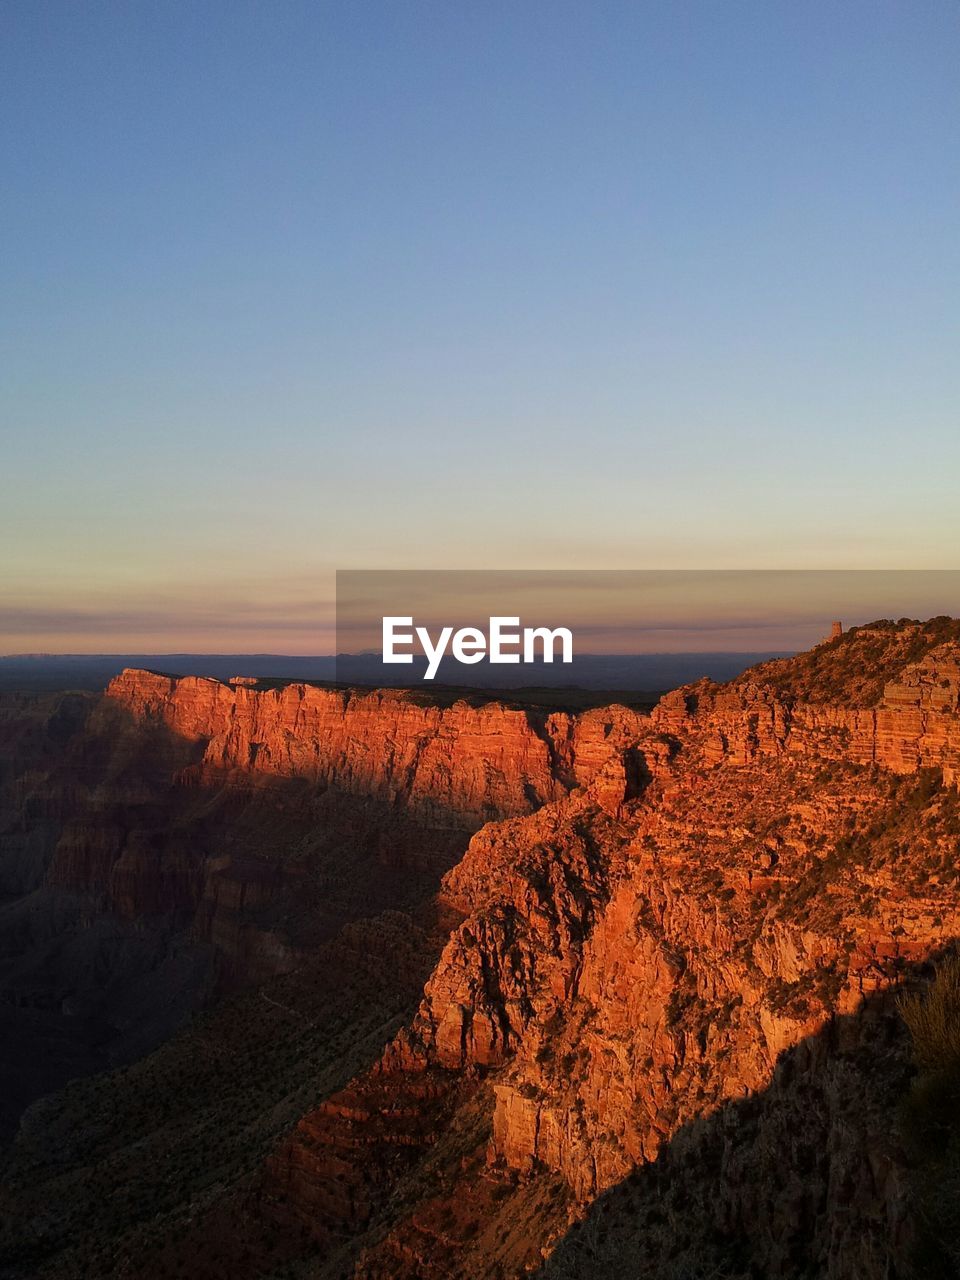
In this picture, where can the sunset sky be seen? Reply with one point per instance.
(292, 287)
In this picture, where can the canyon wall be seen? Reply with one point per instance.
(914, 726)
(462, 764)
(178, 837)
(740, 887)
(666, 974)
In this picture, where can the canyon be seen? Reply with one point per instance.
(336, 982)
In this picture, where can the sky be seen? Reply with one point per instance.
(287, 288)
(629, 611)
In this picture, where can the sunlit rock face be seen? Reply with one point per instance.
(665, 978)
(456, 763)
(718, 916)
(174, 838)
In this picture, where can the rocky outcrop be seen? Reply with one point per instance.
(212, 835)
(174, 838)
(915, 725)
(669, 973)
(704, 925)
(460, 764)
(808, 1177)
(214, 805)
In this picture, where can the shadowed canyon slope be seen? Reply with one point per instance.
(644, 1021)
(176, 837)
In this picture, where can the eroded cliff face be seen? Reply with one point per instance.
(458, 765)
(914, 725)
(716, 918)
(178, 837)
(213, 803)
(662, 1008)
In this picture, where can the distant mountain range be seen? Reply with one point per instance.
(634, 672)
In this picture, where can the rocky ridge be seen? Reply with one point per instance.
(460, 763)
(179, 837)
(745, 884)
(661, 1034)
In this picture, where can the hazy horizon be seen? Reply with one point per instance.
(637, 672)
(303, 287)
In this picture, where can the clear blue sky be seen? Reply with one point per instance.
(286, 287)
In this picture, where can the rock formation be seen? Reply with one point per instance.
(635, 959)
(660, 1033)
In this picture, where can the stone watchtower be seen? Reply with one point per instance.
(836, 630)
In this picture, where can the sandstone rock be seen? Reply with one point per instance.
(669, 969)
(635, 958)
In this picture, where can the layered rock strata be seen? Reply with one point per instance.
(748, 876)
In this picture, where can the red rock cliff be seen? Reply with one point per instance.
(643, 953)
(463, 762)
